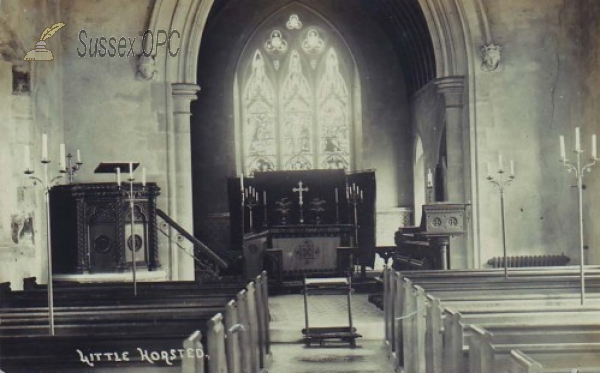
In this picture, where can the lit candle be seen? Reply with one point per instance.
(44, 147)
(78, 156)
(61, 157)
(594, 150)
(118, 176)
(336, 195)
(489, 169)
(577, 139)
(512, 167)
(143, 176)
(500, 163)
(27, 158)
(563, 154)
(130, 171)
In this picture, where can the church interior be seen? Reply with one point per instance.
(182, 174)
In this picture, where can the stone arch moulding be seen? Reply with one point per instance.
(455, 25)
(458, 28)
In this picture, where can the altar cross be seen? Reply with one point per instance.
(300, 190)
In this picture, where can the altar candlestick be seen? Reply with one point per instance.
(336, 195)
(144, 176)
(44, 147)
(246, 193)
(361, 195)
(347, 193)
(429, 178)
(27, 158)
(118, 176)
(577, 140)
(563, 153)
(241, 181)
(500, 163)
(78, 156)
(265, 197)
(130, 171)
(61, 158)
(512, 168)
(594, 150)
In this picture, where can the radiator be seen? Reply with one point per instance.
(530, 261)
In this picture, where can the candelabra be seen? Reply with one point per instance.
(72, 169)
(501, 182)
(132, 242)
(47, 184)
(251, 201)
(354, 195)
(578, 168)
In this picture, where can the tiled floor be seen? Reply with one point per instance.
(291, 356)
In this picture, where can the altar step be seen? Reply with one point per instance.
(367, 285)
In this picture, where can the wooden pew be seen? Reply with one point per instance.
(571, 349)
(523, 363)
(252, 309)
(394, 297)
(193, 364)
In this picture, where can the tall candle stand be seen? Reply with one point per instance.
(501, 182)
(251, 201)
(131, 197)
(355, 197)
(578, 168)
(47, 184)
(72, 169)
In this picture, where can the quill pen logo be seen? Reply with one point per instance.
(40, 53)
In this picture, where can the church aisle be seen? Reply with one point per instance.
(291, 356)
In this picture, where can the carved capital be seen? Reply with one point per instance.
(490, 56)
(183, 94)
(451, 88)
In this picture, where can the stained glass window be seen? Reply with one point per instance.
(296, 104)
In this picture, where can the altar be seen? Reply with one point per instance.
(301, 222)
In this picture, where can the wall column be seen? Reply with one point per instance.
(451, 88)
(181, 179)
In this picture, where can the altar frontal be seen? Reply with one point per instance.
(299, 222)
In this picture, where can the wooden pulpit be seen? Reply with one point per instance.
(90, 225)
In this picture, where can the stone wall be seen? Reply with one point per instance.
(26, 113)
(591, 123)
(521, 110)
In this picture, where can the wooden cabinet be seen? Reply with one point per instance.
(92, 232)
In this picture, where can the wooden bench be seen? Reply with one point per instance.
(396, 293)
(523, 363)
(570, 348)
(245, 324)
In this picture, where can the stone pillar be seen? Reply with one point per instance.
(180, 191)
(451, 88)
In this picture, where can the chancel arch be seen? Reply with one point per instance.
(452, 56)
